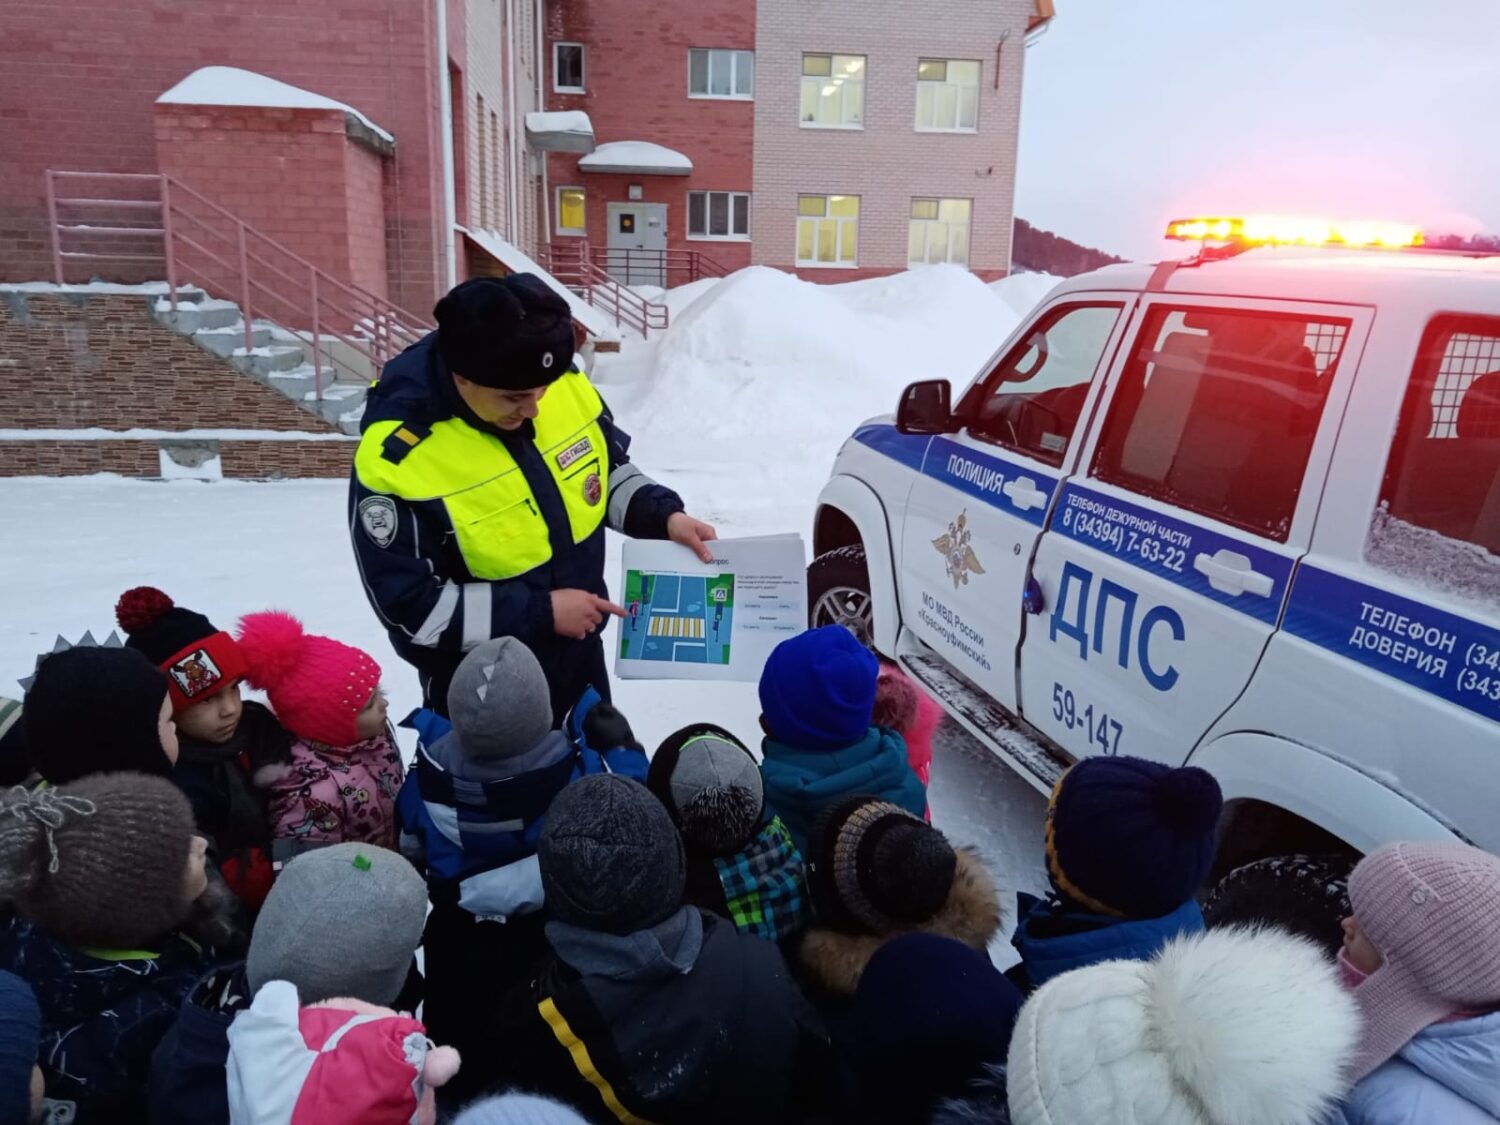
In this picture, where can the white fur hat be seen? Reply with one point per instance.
(1233, 1027)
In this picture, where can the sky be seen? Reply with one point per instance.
(1136, 112)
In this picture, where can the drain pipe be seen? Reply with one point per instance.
(450, 191)
(544, 235)
(512, 211)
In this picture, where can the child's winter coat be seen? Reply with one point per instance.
(802, 783)
(1054, 938)
(336, 795)
(1449, 1073)
(187, 1071)
(761, 888)
(903, 706)
(103, 1014)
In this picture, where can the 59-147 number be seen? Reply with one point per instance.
(1101, 730)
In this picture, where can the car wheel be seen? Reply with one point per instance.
(1306, 894)
(838, 592)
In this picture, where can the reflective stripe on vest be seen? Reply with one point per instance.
(496, 520)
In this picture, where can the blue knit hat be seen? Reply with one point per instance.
(20, 1030)
(818, 689)
(928, 1015)
(1131, 838)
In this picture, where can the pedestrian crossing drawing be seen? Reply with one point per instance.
(688, 628)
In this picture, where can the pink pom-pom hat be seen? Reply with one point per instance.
(317, 686)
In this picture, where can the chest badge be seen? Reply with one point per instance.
(593, 489)
(580, 448)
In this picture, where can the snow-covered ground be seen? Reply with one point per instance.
(741, 406)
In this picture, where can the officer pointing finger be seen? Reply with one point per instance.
(487, 471)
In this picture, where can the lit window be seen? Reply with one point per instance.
(827, 230)
(718, 214)
(939, 231)
(567, 68)
(721, 74)
(833, 91)
(947, 96)
(571, 211)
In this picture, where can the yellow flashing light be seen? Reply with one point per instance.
(1275, 231)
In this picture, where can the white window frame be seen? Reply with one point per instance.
(840, 221)
(959, 87)
(557, 209)
(845, 84)
(707, 207)
(929, 225)
(583, 68)
(737, 58)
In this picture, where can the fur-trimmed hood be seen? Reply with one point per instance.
(971, 915)
(1229, 1027)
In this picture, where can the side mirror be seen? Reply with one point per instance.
(926, 408)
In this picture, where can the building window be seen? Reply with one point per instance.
(721, 74)
(833, 91)
(827, 230)
(939, 231)
(947, 96)
(719, 214)
(570, 211)
(567, 68)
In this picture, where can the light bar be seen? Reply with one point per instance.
(1269, 231)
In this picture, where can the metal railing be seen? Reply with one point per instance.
(113, 218)
(572, 265)
(666, 268)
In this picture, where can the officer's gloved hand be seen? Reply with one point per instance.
(604, 728)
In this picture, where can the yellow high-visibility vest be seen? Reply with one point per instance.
(496, 519)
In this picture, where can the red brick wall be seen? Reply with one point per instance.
(77, 86)
(636, 82)
(254, 460)
(365, 211)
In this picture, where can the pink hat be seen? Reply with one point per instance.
(1432, 909)
(316, 685)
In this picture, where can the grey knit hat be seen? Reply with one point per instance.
(341, 921)
(711, 785)
(101, 863)
(499, 700)
(610, 856)
(518, 1109)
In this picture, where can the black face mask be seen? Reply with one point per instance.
(95, 710)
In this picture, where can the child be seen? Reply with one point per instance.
(902, 706)
(15, 763)
(341, 921)
(337, 1062)
(221, 740)
(679, 1017)
(102, 873)
(876, 871)
(1422, 954)
(1129, 842)
(741, 862)
(1232, 1027)
(929, 1015)
(471, 811)
(345, 770)
(817, 697)
(22, 1085)
(99, 710)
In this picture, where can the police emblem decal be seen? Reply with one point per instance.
(958, 552)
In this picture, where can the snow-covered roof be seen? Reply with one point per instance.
(645, 158)
(229, 85)
(517, 260)
(567, 131)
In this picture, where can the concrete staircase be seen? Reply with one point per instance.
(277, 356)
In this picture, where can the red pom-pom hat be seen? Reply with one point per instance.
(198, 658)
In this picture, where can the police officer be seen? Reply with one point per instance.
(487, 472)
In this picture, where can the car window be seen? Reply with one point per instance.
(1217, 411)
(1438, 522)
(1031, 401)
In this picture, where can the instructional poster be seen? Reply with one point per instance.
(691, 620)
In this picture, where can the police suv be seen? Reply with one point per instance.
(1240, 511)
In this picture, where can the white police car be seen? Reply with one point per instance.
(1241, 512)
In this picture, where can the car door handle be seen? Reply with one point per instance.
(1024, 494)
(1230, 572)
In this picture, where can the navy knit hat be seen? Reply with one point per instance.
(510, 333)
(20, 1031)
(817, 691)
(873, 867)
(1131, 838)
(928, 1015)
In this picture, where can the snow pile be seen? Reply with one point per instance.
(645, 157)
(229, 85)
(1024, 291)
(1463, 571)
(563, 121)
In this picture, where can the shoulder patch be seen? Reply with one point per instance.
(406, 437)
(378, 517)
